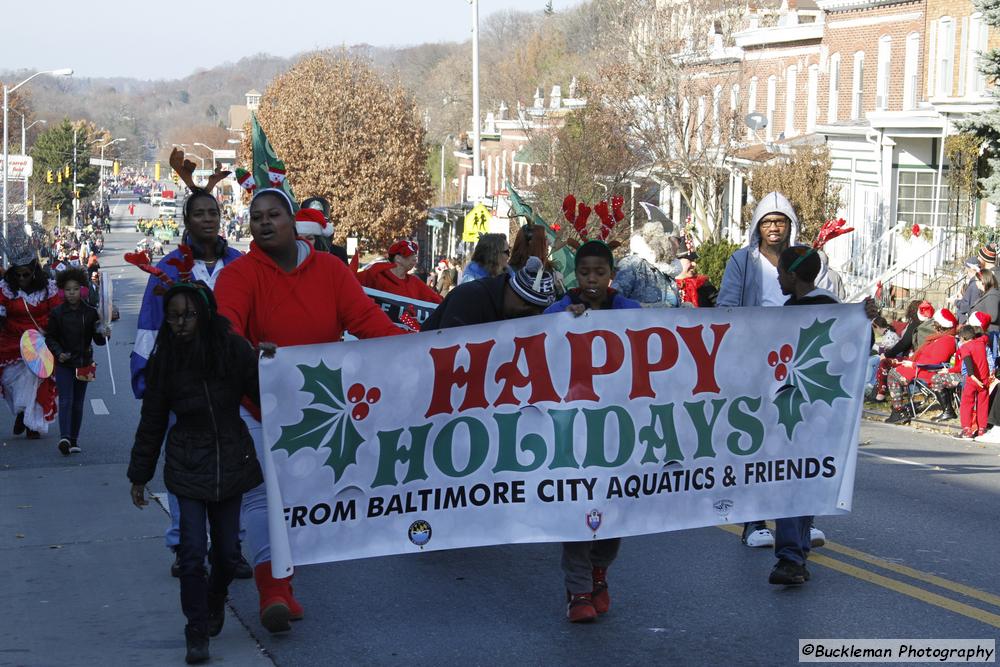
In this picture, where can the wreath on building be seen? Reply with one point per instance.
(926, 233)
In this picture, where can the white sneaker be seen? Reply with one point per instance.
(816, 537)
(992, 436)
(760, 538)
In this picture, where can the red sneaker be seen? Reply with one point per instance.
(580, 608)
(600, 597)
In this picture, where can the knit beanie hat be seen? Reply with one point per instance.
(925, 311)
(533, 283)
(945, 319)
(988, 254)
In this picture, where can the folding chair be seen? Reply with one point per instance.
(922, 395)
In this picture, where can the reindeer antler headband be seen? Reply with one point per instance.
(577, 215)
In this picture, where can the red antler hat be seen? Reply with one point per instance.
(404, 248)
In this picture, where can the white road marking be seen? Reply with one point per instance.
(99, 407)
(895, 460)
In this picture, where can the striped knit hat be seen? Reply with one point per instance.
(533, 283)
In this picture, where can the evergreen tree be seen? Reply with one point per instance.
(986, 125)
(53, 150)
(549, 10)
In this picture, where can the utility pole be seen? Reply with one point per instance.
(477, 169)
(76, 201)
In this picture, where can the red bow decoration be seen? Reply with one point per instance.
(915, 229)
(830, 230)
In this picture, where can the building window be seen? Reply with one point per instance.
(700, 138)
(812, 94)
(790, 80)
(734, 99)
(916, 195)
(911, 71)
(883, 73)
(834, 101)
(751, 102)
(975, 82)
(686, 128)
(857, 86)
(772, 94)
(945, 56)
(716, 115)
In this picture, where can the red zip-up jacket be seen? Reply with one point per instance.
(937, 349)
(380, 276)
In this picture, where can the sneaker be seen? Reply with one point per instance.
(74, 447)
(991, 436)
(175, 568)
(788, 573)
(600, 596)
(816, 537)
(966, 435)
(580, 608)
(758, 538)
(64, 446)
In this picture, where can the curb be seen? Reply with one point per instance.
(922, 424)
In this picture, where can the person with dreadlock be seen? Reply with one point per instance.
(585, 564)
(198, 373)
(204, 253)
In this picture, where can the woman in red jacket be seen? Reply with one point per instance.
(394, 276)
(935, 351)
(270, 296)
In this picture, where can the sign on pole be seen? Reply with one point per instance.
(477, 221)
(475, 188)
(20, 167)
(98, 162)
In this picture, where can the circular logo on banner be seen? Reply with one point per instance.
(419, 532)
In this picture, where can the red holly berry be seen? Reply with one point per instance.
(780, 373)
(772, 359)
(360, 411)
(786, 353)
(356, 393)
(374, 394)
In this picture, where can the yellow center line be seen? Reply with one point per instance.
(901, 587)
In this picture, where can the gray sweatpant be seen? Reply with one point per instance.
(580, 558)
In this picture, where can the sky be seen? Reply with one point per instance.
(152, 40)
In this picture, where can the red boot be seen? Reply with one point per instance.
(600, 597)
(274, 607)
(580, 608)
(297, 612)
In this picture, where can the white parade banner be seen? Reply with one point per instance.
(555, 428)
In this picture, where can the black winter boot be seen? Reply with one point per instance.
(216, 613)
(197, 646)
(947, 408)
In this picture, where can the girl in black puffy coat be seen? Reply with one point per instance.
(199, 371)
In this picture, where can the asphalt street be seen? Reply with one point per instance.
(88, 584)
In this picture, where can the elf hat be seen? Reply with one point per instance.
(404, 248)
(925, 311)
(309, 221)
(945, 318)
(980, 319)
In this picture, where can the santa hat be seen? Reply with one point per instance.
(945, 318)
(980, 319)
(925, 311)
(404, 248)
(309, 221)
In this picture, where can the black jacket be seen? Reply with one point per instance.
(475, 302)
(73, 330)
(209, 451)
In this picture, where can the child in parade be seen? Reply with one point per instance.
(585, 564)
(199, 371)
(972, 361)
(798, 267)
(73, 326)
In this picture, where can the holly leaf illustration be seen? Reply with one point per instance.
(818, 384)
(326, 422)
(812, 340)
(789, 402)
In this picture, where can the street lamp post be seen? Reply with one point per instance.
(476, 166)
(210, 149)
(6, 155)
(24, 131)
(101, 188)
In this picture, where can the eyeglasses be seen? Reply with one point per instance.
(773, 223)
(182, 317)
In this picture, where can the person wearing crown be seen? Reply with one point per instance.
(27, 296)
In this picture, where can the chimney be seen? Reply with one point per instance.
(491, 125)
(539, 100)
(572, 88)
(502, 113)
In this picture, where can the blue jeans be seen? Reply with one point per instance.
(72, 393)
(173, 534)
(791, 538)
(224, 524)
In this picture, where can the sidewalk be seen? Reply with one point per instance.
(86, 578)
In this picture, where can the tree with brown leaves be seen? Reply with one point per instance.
(352, 136)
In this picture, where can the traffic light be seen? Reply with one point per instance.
(156, 171)
(66, 175)
(175, 178)
(115, 168)
(59, 177)
(48, 176)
